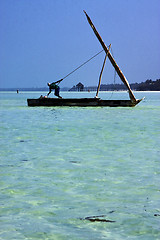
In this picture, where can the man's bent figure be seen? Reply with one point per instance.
(55, 87)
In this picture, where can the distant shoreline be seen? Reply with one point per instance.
(148, 85)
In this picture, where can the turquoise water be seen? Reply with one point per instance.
(60, 165)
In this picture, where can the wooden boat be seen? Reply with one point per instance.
(91, 102)
(80, 102)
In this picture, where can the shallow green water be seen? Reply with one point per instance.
(60, 165)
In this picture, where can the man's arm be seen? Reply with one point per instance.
(59, 81)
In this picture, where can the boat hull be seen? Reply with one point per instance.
(80, 102)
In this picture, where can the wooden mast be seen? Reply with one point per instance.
(119, 72)
(100, 76)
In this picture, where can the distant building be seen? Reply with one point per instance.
(79, 87)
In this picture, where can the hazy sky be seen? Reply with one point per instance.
(43, 40)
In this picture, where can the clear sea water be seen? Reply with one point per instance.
(60, 165)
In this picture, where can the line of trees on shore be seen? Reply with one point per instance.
(148, 85)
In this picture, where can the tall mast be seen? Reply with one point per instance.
(100, 76)
(119, 72)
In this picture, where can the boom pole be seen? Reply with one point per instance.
(113, 62)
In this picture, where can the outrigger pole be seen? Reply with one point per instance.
(119, 72)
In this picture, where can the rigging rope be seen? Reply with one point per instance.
(82, 64)
(115, 74)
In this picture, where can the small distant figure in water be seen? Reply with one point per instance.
(17, 91)
(55, 87)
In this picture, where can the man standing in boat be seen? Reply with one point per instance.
(55, 87)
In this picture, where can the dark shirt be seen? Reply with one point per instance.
(53, 86)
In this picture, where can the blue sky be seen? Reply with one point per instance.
(43, 40)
